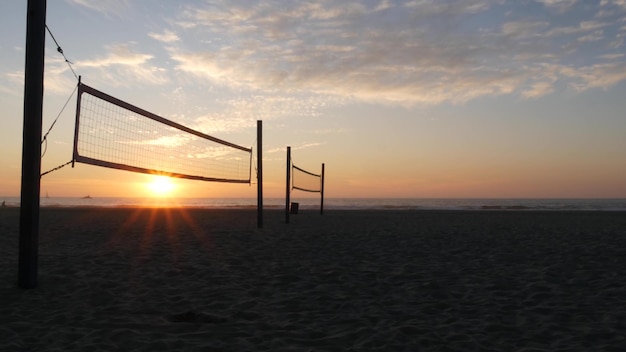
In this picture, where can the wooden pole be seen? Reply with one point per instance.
(31, 143)
(322, 191)
(287, 188)
(259, 148)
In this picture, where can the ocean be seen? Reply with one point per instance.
(342, 203)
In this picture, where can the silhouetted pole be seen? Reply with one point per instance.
(31, 143)
(322, 191)
(77, 122)
(259, 158)
(288, 181)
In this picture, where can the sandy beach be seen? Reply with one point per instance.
(137, 279)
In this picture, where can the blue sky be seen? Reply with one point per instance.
(475, 98)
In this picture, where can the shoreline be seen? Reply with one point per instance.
(281, 208)
(471, 204)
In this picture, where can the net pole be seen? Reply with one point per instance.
(287, 183)
(259, 148)
(322, 191)
(77, 122)
(31, 143)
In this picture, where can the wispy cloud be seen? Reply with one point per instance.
(304, 145)
(619, 3)
(57, 76)
(57, 80)
(107, 7)
(167, 141)
(122, 65)
(416, 52)
(560, 5)
(239, 113)
(119, 54)
(612, 57)
(597, 76)
(332, 131)
(166, 37)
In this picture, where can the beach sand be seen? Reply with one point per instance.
(209, 280)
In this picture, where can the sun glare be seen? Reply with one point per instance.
(161, 186)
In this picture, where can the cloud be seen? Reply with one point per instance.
(429, 8)
(595, 36)
(119, 54)
(241, 113)
(306, 145)
(58, 78)
(612, 56)
(123, 66)
(620, 3)
(416, 52)
(166, 37)
(333, 131)
(167, 141)
(597, 76)
(538, 89)
(108, 7)
(16, 77)
(560, 5)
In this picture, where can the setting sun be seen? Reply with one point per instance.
(161, 186)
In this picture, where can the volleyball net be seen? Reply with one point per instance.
(115, 134)
(303, 180)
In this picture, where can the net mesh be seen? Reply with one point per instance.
(115, 134)
(305, 181)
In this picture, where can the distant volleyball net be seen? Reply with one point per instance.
(115, 134)
(303, 180)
